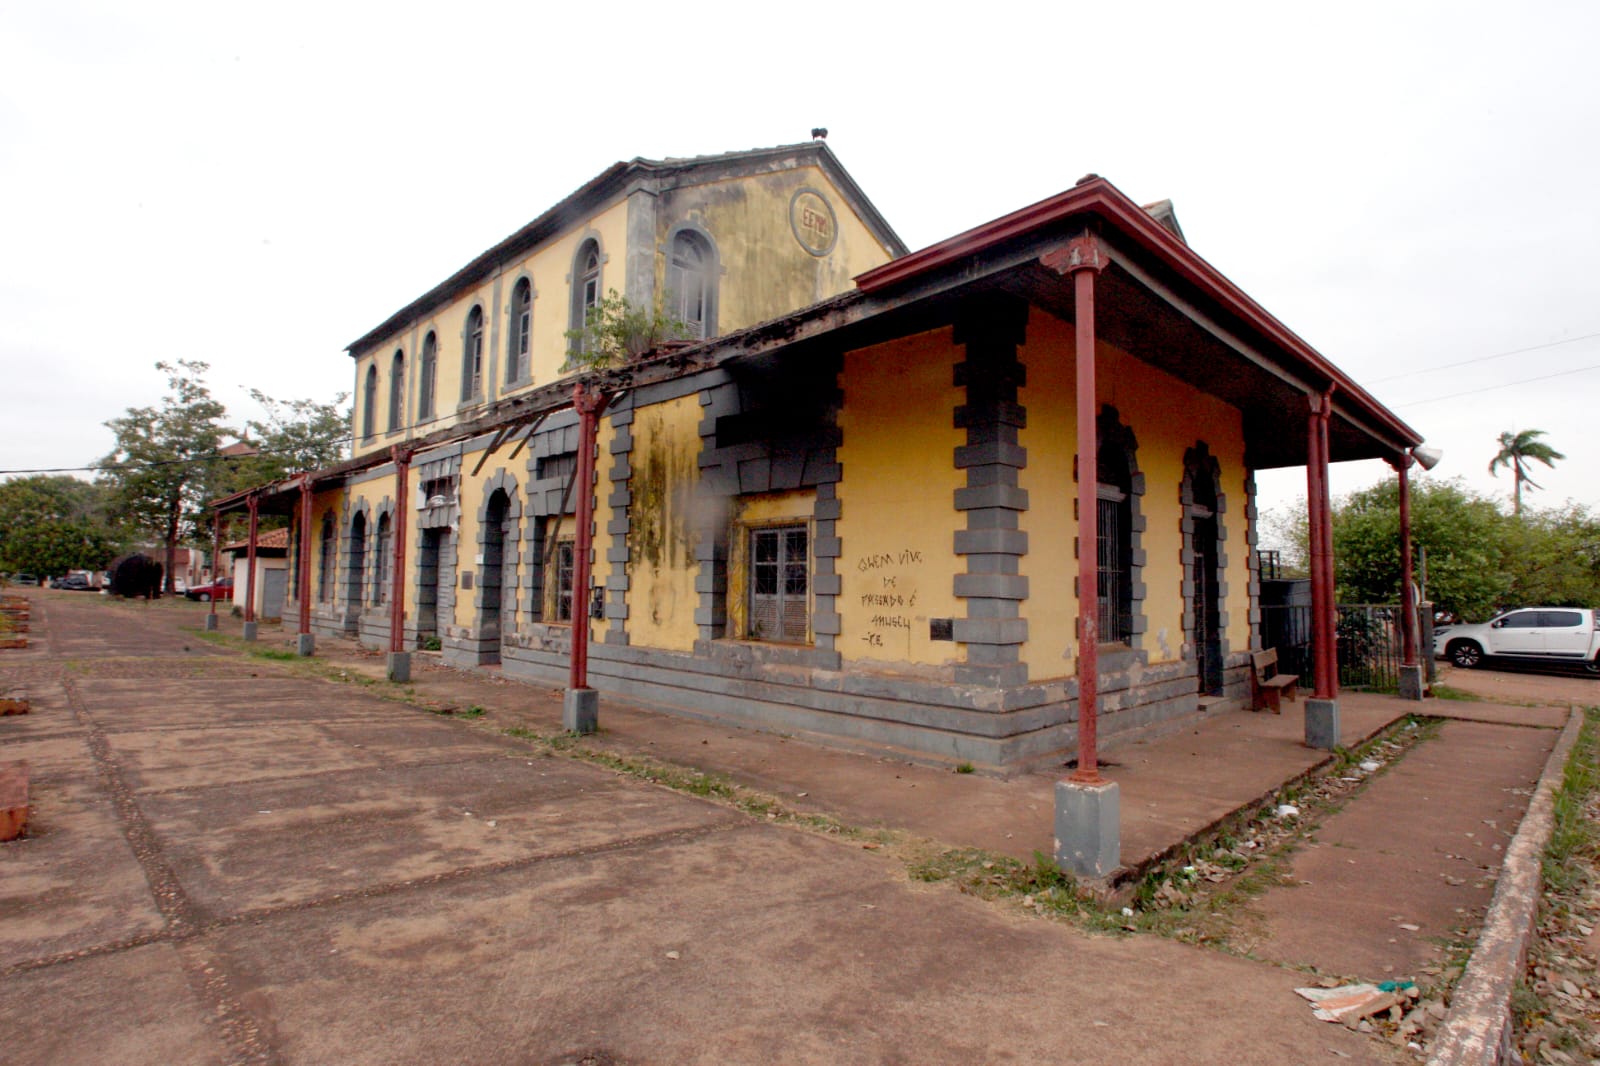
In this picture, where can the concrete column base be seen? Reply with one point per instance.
(399, 666)
(1412, 685)
(1322, 724)
(305, 644)
(1088, 828)
(250, 630)
(580, 710)
(211, 623)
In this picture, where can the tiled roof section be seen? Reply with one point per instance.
(614, 179)
(272, 538)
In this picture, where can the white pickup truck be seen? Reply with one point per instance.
(1529, 634)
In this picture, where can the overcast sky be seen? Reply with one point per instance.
(1407, 186)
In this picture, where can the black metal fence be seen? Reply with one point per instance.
(1369, 644)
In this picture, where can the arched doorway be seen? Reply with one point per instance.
(355, 592)
(493, 581)
(1203, 536)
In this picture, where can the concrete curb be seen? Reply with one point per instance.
(1477, 1031)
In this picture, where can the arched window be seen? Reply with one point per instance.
(429, 371)
(692, 283)
(369, 404)
(397, 390)
(518, 363)
(472, 354)
(330, 546)
(381, 560)
(585, 282)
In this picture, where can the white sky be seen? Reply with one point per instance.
(1405, 185)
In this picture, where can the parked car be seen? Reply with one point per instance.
(24, 579)
(213, 590)
(1559, 635)
(72, 582)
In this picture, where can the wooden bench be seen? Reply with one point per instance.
(1268, 687)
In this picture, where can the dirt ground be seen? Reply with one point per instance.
(231, 862)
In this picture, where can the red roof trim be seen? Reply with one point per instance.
(1099, 197)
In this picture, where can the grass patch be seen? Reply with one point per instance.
(274, 654)
(1447, 692)
(964, 768)
(1574, 840)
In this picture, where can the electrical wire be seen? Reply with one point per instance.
(1482, 359)
(103, 467)
(1492, 388)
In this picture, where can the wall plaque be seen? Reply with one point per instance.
(812, 219)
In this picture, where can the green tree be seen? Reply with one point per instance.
(1553, 557)
(295, 435)
(164, 466)
(1465, 535)
(616, 331)
(49, 525)
(1516, 451)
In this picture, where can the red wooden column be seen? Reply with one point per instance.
(580, 708)
(216, 566)
(306, 643)
(1408, 603)
(588, 402)
(1084, 263)
(250, 571)
(1316, 504)
(402, 514)
(1331, 615)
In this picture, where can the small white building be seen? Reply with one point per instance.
(272, 572)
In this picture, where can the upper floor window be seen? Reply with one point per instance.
(472, 355)
(426, 377)
(585, 282)
(397, 390)
(518, 366)
(369, 403)
(691, 283)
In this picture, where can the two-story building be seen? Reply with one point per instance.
(849, 503)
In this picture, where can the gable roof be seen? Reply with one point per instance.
(616, 181)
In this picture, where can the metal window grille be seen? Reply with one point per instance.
(380, 565)
(329, 546)
(1114, 601)
(779, 584)
(563, 580)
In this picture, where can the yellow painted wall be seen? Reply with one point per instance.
(898, 519)
(753, 512)
(661, 564)
(468, 550)
(1167, 417)
(766, 272)
(373, 492)
(321, 504)
(549, 268)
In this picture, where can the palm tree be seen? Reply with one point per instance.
(1516, 449)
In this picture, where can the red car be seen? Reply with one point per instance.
(216, 590)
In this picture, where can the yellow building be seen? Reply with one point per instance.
(846, 506)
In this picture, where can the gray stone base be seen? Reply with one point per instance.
(399, 666)
(211, 623)
(305, 645)
(580, 710)
(250, 630)
(1322, 724)
(1412, 685)
(1088, 828)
